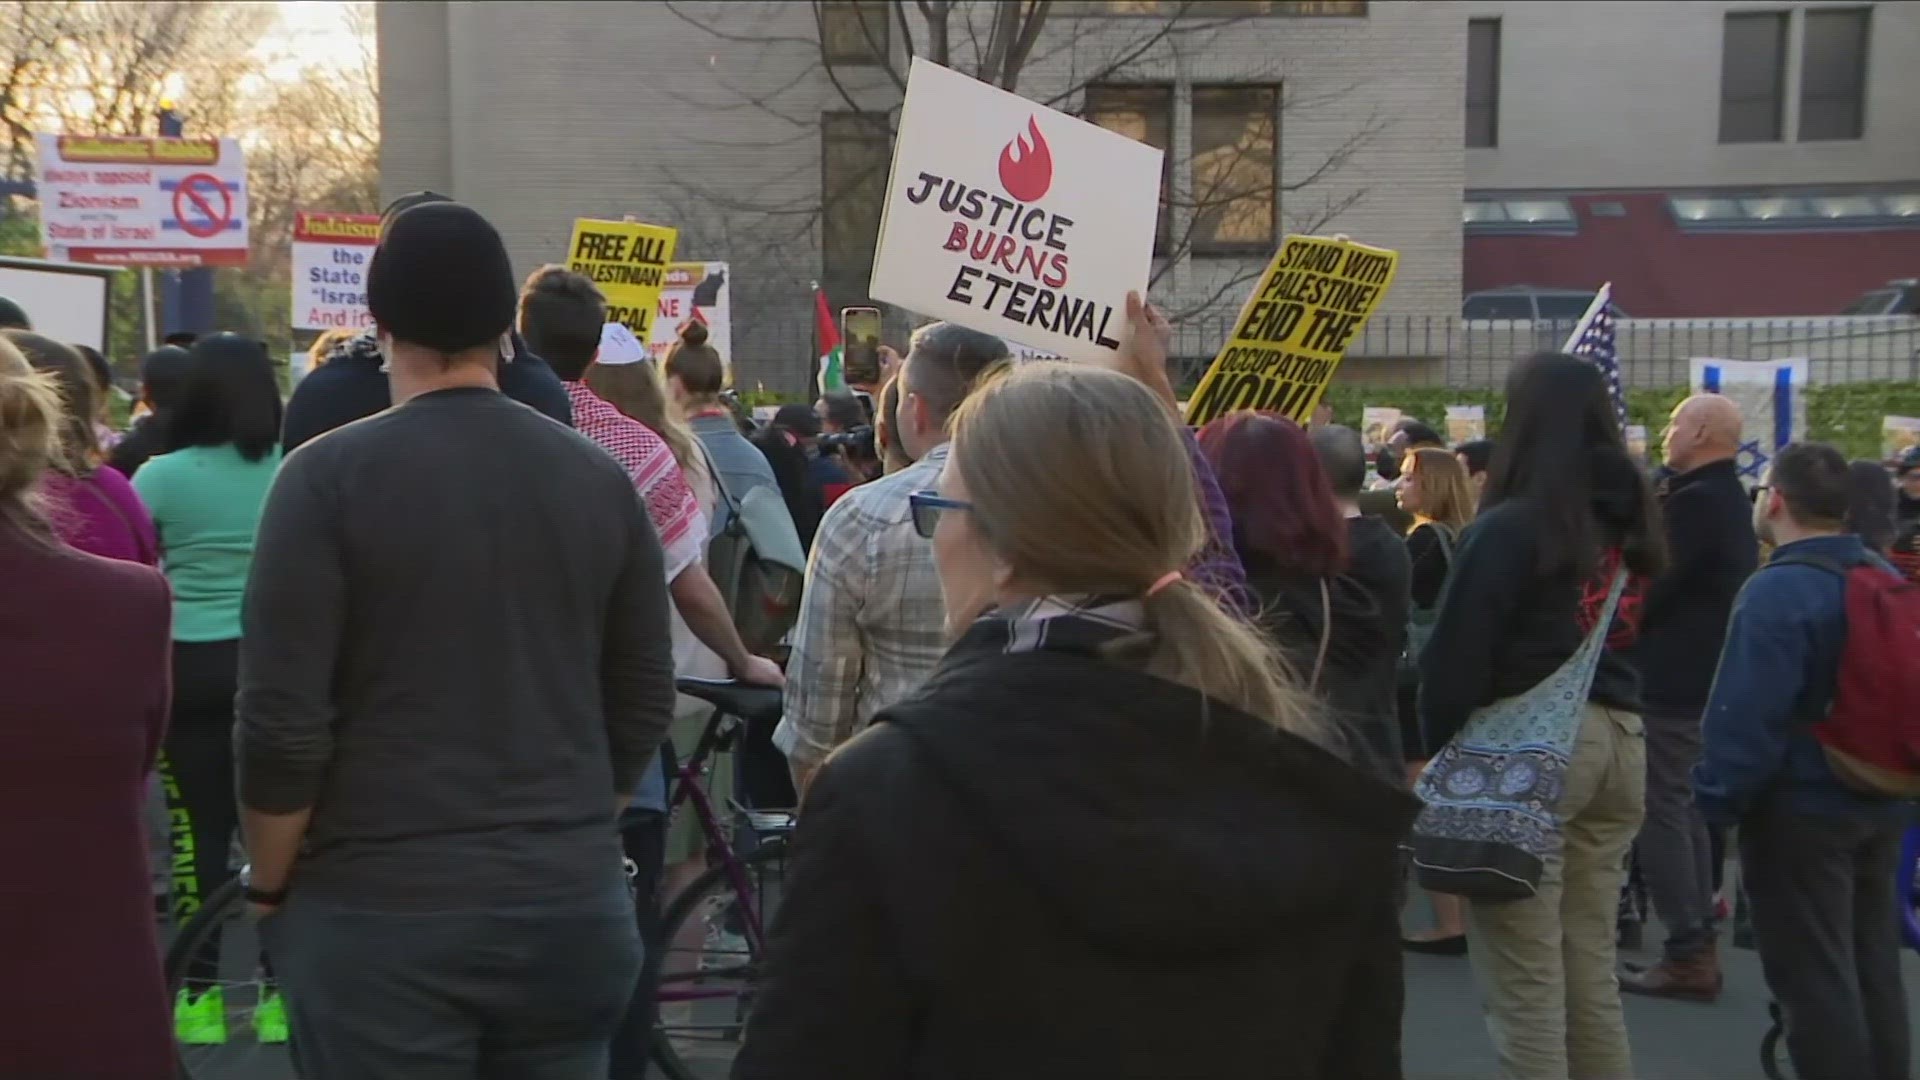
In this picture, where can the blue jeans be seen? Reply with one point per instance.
(519, 994)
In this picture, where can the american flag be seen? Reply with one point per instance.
(1593, 340)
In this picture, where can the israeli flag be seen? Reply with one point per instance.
(1772, 399)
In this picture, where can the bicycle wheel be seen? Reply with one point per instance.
(222, 926)
(1770, 1047)
(713, 938)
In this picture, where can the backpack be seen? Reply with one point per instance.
(757, 563)
(1871, 733)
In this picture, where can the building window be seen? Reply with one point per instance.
(1234, 169)
(1833, 75)
(1483, 82)
(856, 151)
(1145, 114)
(1544, 215)
(1753, 66)
(1816, 210)
(853, 33)
(1349, 9)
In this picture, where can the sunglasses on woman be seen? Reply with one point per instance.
(927, 506)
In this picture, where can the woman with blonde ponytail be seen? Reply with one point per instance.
(84, 704)
(1113, 815)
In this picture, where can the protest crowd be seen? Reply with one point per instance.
(1102, 729)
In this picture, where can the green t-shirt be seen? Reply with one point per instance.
(205, 502)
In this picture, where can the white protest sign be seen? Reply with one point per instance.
(1008, 217)
(694, 290)
(135, 200)
(1466, 423)
(331, 256)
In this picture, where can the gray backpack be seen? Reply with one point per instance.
(757, 563)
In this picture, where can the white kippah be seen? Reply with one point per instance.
(619, 346)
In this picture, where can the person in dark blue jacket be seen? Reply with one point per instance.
(353, 381)
(1818, 858)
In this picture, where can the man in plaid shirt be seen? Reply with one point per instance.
(873, 625)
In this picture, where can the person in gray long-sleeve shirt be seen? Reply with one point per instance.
(455, 661)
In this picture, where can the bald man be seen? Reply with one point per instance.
(1709, 524)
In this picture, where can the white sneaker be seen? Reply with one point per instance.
(724, 948)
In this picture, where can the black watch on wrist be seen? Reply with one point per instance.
(267, 897)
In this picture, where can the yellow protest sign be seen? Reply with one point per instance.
(1309, 306)
(628, 260)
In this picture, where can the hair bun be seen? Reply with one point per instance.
(694, 333)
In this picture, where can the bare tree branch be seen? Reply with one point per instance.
(1235, 198)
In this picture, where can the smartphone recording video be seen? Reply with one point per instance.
(860, 344)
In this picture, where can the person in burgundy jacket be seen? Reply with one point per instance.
(83, 996)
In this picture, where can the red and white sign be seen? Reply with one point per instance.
(694, 290)
(1012, 218)
(331, 254)
(142, 201)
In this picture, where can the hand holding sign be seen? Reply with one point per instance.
(1144, 356)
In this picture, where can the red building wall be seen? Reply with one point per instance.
(1660, 271)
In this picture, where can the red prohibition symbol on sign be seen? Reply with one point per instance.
(204, 192)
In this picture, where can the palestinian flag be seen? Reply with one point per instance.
(832, 372)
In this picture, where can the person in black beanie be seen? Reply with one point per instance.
(456, 664)
(353, 382)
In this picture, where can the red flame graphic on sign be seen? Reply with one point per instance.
(1028, 175)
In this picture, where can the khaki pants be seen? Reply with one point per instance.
(1546, 964)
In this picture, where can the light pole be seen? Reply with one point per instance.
(186, 296)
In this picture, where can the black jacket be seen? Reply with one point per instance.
(793, 470)
(1369, 604)
(1503, 627)
(1710, 541)
(1384, 503)
(1051, 866)
(350, 385)
(143, 440)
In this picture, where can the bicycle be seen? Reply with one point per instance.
(712, 936)
(713, 932)
(242, 984)
(1906, 886)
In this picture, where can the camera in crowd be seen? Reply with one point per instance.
(857, 440)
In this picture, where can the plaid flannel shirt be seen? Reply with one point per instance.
(872, 624)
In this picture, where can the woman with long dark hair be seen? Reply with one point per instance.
(206, 491)
(1332, 590)
(1564, 512)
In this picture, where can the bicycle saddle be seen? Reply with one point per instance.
(754, 704)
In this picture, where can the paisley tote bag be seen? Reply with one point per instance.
(1489, 827)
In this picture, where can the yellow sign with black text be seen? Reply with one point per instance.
(628, 260)
(1310, 305)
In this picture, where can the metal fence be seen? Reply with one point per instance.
(775, 348)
